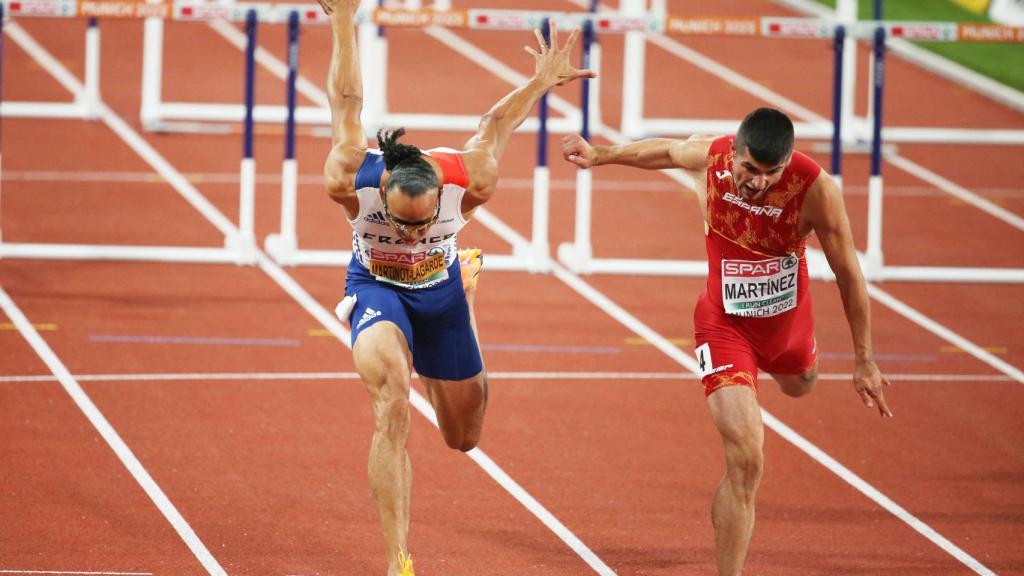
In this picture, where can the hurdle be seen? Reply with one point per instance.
(239, 244)
(857, 129)
(158, 115)
(577, 256)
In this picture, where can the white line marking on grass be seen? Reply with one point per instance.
(113, 439)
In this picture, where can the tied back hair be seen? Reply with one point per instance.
(409, 172)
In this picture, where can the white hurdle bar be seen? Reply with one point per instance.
(239, 248)
(158, 115)
(85, 104)
(531, 254)
(855, 129)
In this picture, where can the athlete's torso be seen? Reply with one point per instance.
(378, 248)
(756, 266)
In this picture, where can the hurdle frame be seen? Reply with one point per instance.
(239, 244)
(856, 130)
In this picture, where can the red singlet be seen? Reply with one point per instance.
(756, 309)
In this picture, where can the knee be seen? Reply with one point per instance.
(801, 384)
(745, 467)
(462, 440)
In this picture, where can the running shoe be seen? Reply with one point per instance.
(470, 260)
(405, 563)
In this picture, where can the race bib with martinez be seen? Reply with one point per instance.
(409, 269)
(759, 288)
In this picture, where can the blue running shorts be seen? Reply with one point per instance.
(435, 321)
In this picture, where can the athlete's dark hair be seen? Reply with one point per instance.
(409, 171)
(767, 134)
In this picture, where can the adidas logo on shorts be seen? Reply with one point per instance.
(376, 218)
(368, 315)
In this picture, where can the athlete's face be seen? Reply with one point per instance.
(412, 217)
(754, 178)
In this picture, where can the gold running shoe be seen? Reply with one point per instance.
(471, 260)
(405, 563)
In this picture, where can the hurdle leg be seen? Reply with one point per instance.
(89, 99)
(874, 257)
(245, 240)
(152, 73)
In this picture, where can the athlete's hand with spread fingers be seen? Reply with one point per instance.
(578, 151)
(553, 62)
(869, 382)
(347, 6)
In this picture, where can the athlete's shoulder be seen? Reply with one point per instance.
(453, 165)
(804, 166)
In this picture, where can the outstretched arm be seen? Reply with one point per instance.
(486, 147)
(653, 154)
(826, 213)
(345, 93)
(344, 81)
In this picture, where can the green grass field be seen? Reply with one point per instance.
(1002, 62)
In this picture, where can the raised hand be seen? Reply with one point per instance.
(578, 151)
(868, 382)
(347, 6)
(553, 62)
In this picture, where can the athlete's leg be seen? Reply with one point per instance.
(382, 358)
(460, 404)
(797, 385)
(796, 370)
(738, 419)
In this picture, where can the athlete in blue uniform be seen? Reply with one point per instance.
(404, 298)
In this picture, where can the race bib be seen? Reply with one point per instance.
(759, 288)
(408, 269)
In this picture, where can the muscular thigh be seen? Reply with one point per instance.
(444, 345)
(725, 359)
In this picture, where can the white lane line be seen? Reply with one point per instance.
(955, 190)
(690, 363)
(875, 495)
(354, 376)
(422, 405)
(317, 179)
(113, 439)
(287, 376)
(122, 129)
(945, 333)
(327, 319)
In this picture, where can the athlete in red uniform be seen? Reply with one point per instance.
(760, 201)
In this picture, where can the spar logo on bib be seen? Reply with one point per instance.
(759, 288)
(409, 268)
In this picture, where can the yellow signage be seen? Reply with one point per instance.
(976, 6)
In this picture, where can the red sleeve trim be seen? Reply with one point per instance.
(452, 167)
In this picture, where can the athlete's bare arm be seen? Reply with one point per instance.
(690, 155)
(345, 93)
(485, 148)
(825, 213)
(653, 154)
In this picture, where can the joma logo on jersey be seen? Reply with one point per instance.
(771, 211)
